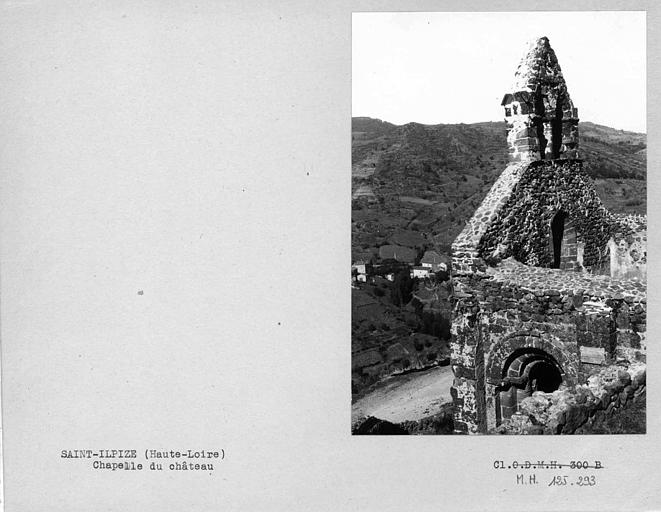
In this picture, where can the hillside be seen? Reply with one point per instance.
(428, 179)
(414, 187)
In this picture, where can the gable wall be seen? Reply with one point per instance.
(522, 228)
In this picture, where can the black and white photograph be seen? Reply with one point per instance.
(498, 223)
(183, 186)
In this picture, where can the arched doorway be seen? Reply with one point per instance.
(525, 371)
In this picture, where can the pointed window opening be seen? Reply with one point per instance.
(557, 232)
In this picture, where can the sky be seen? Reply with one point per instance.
(452, 67)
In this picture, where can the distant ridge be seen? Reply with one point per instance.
(430, 178)
(609, 152)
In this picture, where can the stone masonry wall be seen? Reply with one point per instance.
(564, 411)
(583, 323)
(522, 228)
(516, 216)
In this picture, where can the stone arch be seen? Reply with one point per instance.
(522, 363)
(534, 367)
(502, 350)
(526, 370)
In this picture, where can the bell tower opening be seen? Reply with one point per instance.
(539, 121)
(556, 129)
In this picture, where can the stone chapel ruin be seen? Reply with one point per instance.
(550, 298)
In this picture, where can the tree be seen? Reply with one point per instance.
(401, 288)
(442, 275)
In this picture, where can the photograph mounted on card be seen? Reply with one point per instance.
(499, 223)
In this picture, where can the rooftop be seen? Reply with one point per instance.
(434, 257)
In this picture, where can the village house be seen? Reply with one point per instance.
(360, 270)
(434, 261)
(421, 272)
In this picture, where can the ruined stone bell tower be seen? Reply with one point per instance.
(542, 122)
(549, 302)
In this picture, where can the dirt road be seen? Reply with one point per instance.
(407, 397)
